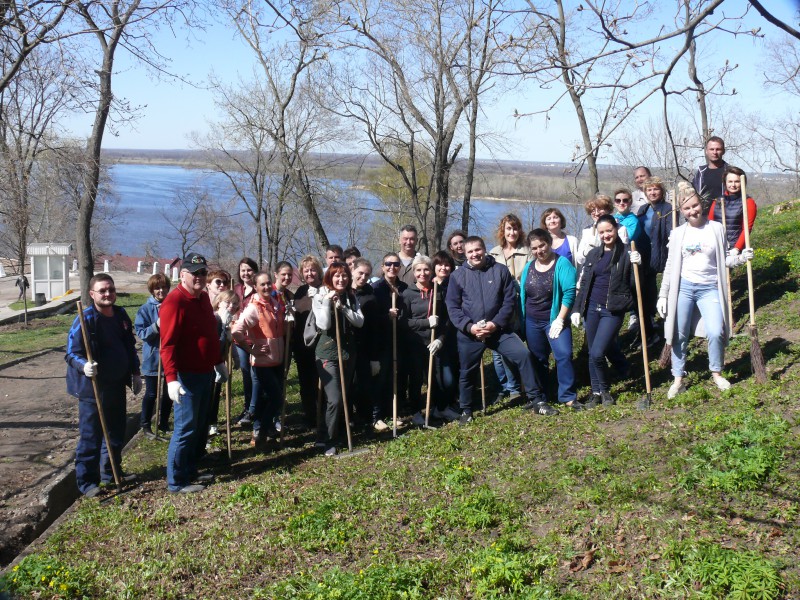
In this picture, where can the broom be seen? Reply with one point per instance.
(666, 351)
(756, 356)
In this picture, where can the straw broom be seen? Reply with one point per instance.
(756, 356)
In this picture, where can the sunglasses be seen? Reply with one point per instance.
(621, 200)
(392, 265)
(219, 282)
(200, 273)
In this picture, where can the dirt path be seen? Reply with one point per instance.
(38, 433)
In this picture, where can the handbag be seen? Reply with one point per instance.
(310, 331)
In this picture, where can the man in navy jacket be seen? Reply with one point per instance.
(481, 300)
(115, 365)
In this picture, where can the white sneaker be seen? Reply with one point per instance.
(331, 451)
(722, 383)
(212, 431)
(278, 425)
(380, 426)
(633, 323)
(675, 389)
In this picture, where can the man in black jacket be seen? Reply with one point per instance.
(481, 300)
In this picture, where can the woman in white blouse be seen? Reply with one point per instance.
(695, 281)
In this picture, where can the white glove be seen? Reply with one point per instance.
(221, 371)
(90, 369)
(433, 321)
(374, 367)
(435, 346)
(136, 384)
(733, 252)
(747, 254)
(576, 319)
(661, 307)
(158, 322)
(224, 316)
(556, 327)
(636, 258)
(289, 317)
(156, 325)
(175, 391)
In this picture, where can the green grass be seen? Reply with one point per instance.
(18, 341)
(696, 498)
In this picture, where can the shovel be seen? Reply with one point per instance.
(343, 383)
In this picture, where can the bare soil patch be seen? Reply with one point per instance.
(38, 433)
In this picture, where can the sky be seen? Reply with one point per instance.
(171, 110)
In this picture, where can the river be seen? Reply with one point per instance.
(144, 191)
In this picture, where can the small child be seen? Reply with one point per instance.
(147, 326)
(226, 306)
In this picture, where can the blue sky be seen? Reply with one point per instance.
(170, 110)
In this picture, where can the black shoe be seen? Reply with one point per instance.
(465, 418)
(245, 419)
(92, 492)
(148, 433)
(607, 399)
(533, 402)
(204, 478)
(594, 400)
(543, 408)
(123, 479)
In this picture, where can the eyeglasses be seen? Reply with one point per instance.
(106, 291)
(200, 273)
(621, 200)
(392, 264)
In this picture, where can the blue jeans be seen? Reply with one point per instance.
(184, 446)
(267, 397)
(540, 346)
(92, 463)
(247, 376)
(706, 299)
(602, 327)
(470, 354)
(505, 374)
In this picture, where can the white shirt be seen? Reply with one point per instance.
(699, 256)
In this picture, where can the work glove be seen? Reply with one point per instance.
(224, 316)
(733, 252)
(156, 325)
(90, 369)
(747, 254)
(221, 371)
(158, 322)
(434, 347)
(374, 367)
(576, 319)
(661, 307)
(556, 327)
(175, 391)
(136, 384)
(433, 321)
(636, 258)
(289, 317)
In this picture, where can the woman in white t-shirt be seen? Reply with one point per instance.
(695, 280)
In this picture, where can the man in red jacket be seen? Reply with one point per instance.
(190, 354)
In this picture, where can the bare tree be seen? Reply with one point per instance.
(115, 24)
(25, 26)
(29, 106)
(287, 43)
(412, 69)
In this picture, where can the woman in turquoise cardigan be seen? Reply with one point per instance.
(547, 295)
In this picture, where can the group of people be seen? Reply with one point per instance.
(377, 339)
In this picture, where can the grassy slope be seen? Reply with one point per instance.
(49, 333)
(696, 498)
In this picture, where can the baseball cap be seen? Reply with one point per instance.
(193, 262)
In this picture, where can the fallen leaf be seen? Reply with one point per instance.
(737, 521)
(618, 566)
(654, 556)
(689, 516)
(582, 561)
(775, 532)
